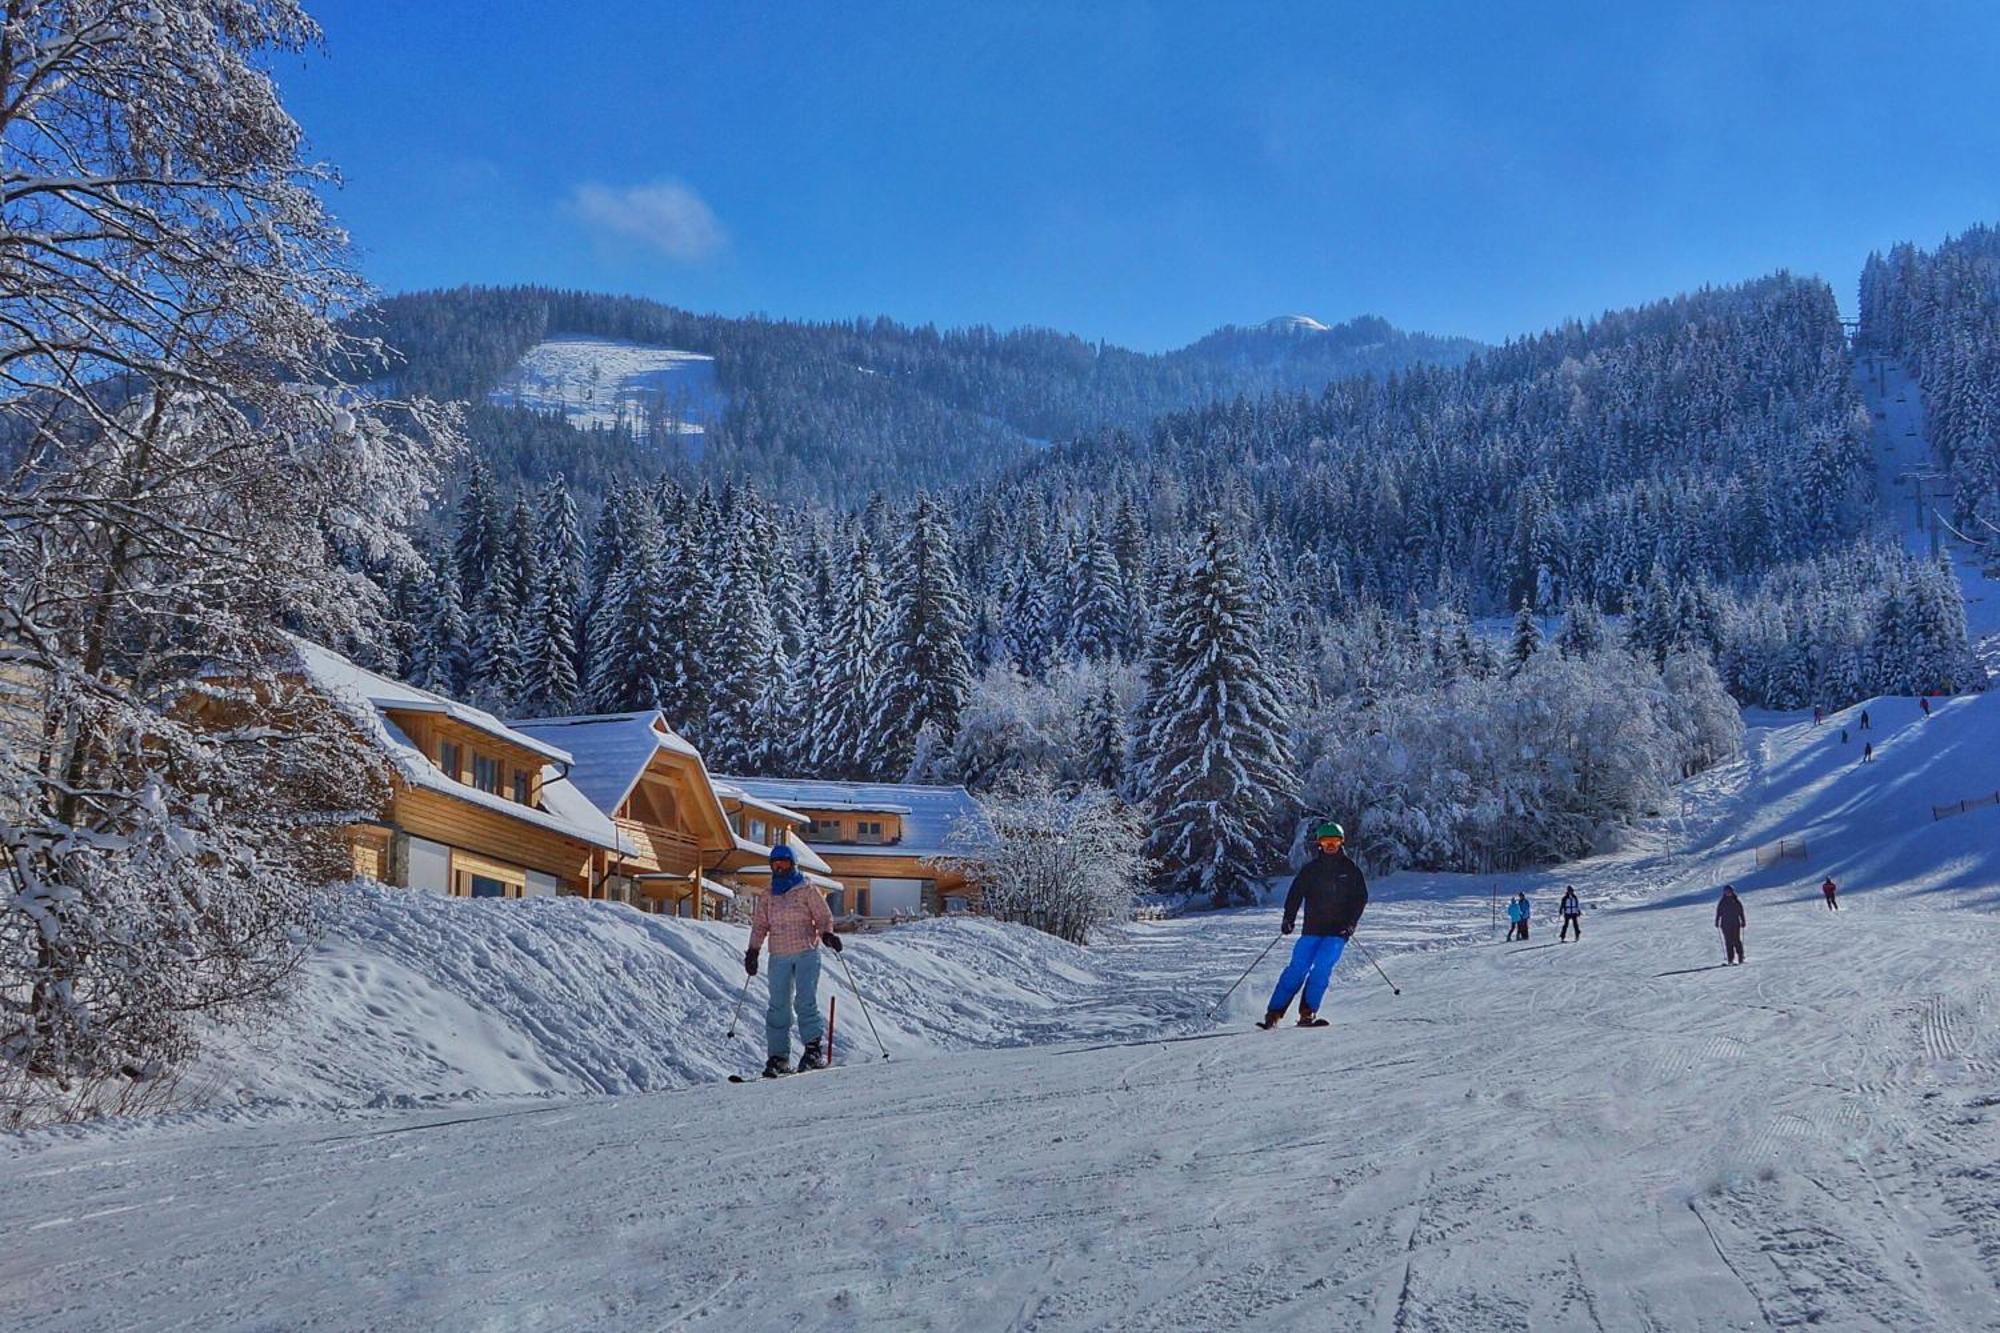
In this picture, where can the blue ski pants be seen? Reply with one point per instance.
(794, 989)
(1312, 963)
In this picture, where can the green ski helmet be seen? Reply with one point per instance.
(1329, 829)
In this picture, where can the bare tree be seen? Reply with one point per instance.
(181, 480)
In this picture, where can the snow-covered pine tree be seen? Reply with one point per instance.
(1216, 756)
(442, 653)
(1582, 633)
(480, 533)
(689, 618)
(494, 681)
(550, 681)
(631, 657)
(1025, 619)
(845, 744)
(1095, 627)
(927, 674)
(736, 729)
(1107, 739)
(185, 470)
(1527, 640)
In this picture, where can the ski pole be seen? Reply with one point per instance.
(1245, 977)
(845, 967)
(738, 1010)
(1377, 966)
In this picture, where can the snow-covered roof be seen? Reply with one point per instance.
(729, 791)
(609, 752)
(563, 810)
(928, 813)
(808, 858)
(330, 671)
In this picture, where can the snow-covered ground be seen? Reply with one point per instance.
(603, 382)
(1613, 1134)
(505, 1115)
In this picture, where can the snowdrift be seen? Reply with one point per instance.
(412, 999)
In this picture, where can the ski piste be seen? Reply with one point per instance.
(774, 1078)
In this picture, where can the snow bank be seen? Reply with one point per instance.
(413, 999)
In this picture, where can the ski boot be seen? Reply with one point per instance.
(777, 1067)
(1309, 1018)
(813, 1057)
(1270, 1019)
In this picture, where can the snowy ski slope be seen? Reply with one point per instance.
(603, 382)
(1613, 1134)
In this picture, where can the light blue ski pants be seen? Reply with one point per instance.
(1312, 963)
(794, 989)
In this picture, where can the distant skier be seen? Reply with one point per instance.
(1819, 715)
(1572, 915)
(1729, 919)
(1513, 919)
(1868, 752)
(1843, 735)
(1864, 720)
(1333, 894)
(1830, 890)
(1521, 901)
(794, 916)
(1924, 702)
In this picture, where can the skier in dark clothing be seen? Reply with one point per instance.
(1521, 921)
(1830, 889)
(1864, 720)
(1333, 894)
(1868, 752)
(1729, 919)
(1572, 915)
(1924, 702)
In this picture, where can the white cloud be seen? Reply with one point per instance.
(665, 216)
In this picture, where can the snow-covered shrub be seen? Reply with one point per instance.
(1541, 766)
(1062, 861)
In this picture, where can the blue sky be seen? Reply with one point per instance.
(1146, 172)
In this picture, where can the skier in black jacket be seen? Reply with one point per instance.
(1730, 920)
(1333, 894)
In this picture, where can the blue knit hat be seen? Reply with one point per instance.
(783, 852)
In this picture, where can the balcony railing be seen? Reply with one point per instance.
(663, 847)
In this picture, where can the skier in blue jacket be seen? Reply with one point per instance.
(1517, 917)
(1333, 894)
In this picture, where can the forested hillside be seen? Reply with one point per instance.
(839, 409)
(1938, 312)
(1698, 465)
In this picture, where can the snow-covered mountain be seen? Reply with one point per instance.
(656, 393)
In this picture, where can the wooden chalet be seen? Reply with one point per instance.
(477, 809)
(879, 840)
(685, 845)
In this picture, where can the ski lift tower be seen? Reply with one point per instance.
(1929, 488)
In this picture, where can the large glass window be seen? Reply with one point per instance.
(483, 887)
(523, 787)
(449, 759)
(486, 773)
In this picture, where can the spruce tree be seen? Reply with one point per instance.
(1527, 640)
(845, 743)
(442, 654)
(480, 534)
(927, 675)
(739, 659)
(1095, 627)
(632, 656)
(1216, 755)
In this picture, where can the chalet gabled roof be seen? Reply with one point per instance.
(929, 814)
(610, 752)
(372, 697)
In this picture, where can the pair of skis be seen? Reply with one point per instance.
(832, 1012)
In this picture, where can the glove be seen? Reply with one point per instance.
(831, 941)
(750, 961)
(1285, 929)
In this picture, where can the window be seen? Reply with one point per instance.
(450, 757)
(486, 773)
(523, 787)
(485, 887)
(869, 830)
(823, 830)
(758, 831)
